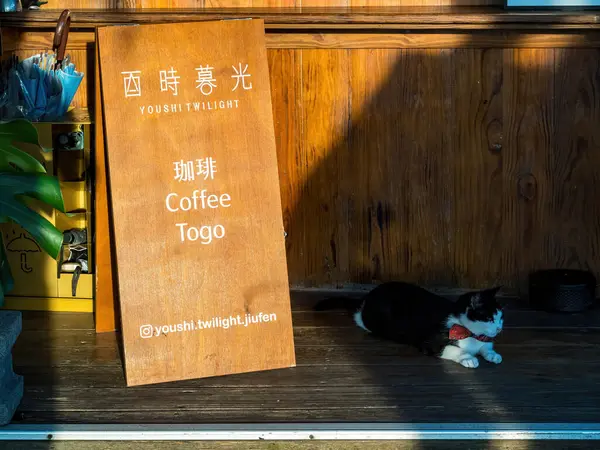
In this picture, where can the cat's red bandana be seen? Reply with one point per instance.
(458, 332)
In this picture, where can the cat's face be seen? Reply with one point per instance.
(482, 314)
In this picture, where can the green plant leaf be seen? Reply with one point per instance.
(13, 132)
(13, 188)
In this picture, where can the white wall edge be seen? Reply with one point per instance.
(294, 432)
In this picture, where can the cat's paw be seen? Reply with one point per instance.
(470, 362)
(493, 357)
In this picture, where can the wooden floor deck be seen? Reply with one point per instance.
(550, 373)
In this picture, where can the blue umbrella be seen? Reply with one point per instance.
(32, 83)
(69, 80)
(42, 87)
(10, 89)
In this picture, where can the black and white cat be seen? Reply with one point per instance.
(458, 331)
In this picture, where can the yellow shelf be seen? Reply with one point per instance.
(76, 116)
(38, 286)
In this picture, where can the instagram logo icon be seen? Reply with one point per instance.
(146, 331)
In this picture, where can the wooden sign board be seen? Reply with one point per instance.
(106, 315)
(194, 188)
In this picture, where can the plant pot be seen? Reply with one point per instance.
(562, 290)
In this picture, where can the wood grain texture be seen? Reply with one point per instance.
(573, 237)
(484, 206)
(221, 255)
(303, 16)
(80, 4)
(476, 40)
(393, 167)
(475, 141)
(320, 219)
(429, 204)
(529, 132)
(15, 38)
(375, 198)
(286, 96)
(74, 375)
(421, 3)
(105, 302)
(251, 3)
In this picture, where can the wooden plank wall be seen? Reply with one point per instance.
(456, 167)
(100, 4)
(463, 167)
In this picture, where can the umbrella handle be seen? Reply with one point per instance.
(61, 35)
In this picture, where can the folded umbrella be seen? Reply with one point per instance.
(41, 87)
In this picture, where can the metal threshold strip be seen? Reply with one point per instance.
(295, 432)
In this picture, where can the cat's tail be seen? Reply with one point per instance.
(348, 303)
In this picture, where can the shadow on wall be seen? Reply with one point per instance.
(461, 168)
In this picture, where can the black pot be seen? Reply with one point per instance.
(562, 290)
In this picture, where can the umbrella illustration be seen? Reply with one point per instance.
(23, 245)
(42, 86)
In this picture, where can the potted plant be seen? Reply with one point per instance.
(22, 178)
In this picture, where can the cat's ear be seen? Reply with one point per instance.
(493, 291)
